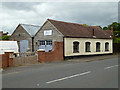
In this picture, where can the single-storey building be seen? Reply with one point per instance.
(77, 39)
(24, 35)
(8, 45)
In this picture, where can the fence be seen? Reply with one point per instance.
(24, 58)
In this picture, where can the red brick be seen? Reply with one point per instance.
(55, 55)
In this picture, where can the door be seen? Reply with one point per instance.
(46, 45)
(24, 46)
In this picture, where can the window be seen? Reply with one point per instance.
(42, 42)
(87, 47)
(49, 42)
(106, 46)
(45, 42)
(98, 47)
(75, 47)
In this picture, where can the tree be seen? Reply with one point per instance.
(5, 37)
(105, 28)
(116, 26)
(85, 24)
(100, 27)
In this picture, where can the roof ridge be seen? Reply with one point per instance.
(71, 23)
(31, 25)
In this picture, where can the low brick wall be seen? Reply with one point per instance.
(55, 55)
(18, 61)
(4, 61)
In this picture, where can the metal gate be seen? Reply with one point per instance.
(45, 44)
(23, 46)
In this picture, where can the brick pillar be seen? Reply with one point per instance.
(41, 55)
(9, 55)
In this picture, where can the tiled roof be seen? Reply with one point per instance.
(79, 30)
(31, 29)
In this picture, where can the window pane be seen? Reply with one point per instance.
(75, 47)
(87, 46)
(107, 46)
(97, 47)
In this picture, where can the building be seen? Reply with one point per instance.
(1, 33)
(24, 35)
(8, 45)
(77, 39)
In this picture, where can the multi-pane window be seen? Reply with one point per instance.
(75, 47)
(49, 42)
(87, 47)
(45, 42)
(42, 42)
(98, 47)
(106, 46)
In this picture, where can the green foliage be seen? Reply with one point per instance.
(116, 40)
(85, 24)
(116, 33)
(116, 26)
(116, 30)
(5, 37)
(105, 28)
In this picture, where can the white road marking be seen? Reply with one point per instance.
(69, 77)
(12, 73)
(111, 67)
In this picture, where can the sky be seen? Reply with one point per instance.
(36, 13)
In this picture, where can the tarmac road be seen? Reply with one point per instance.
(95, 74)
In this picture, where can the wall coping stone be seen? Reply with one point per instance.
(9, 51)
(41, 50)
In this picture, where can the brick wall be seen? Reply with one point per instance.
(55, 55)
(5, 61)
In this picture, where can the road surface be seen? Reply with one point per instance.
(95, 74)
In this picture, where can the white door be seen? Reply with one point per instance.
(24, 46)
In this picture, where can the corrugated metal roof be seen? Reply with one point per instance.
(31, 29)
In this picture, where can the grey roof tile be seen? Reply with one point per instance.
(31, 29)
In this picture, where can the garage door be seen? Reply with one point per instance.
(23, 46)
(45, 44)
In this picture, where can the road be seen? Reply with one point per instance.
(95, 74)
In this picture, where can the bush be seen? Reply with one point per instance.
(116, 40)
(5, 37)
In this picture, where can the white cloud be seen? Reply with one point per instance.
(59, 0)
(36, 13)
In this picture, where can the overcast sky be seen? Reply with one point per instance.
(90, 13)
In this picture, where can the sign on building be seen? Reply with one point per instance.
(47, 32)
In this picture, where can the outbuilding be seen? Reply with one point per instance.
(8, 45)
(77, 39)
(24, 35)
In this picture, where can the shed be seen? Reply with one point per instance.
(24, 35)
(8, 45)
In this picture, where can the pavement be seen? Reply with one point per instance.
(100, 72)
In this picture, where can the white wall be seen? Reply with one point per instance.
(68, 46)
(8, 45)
